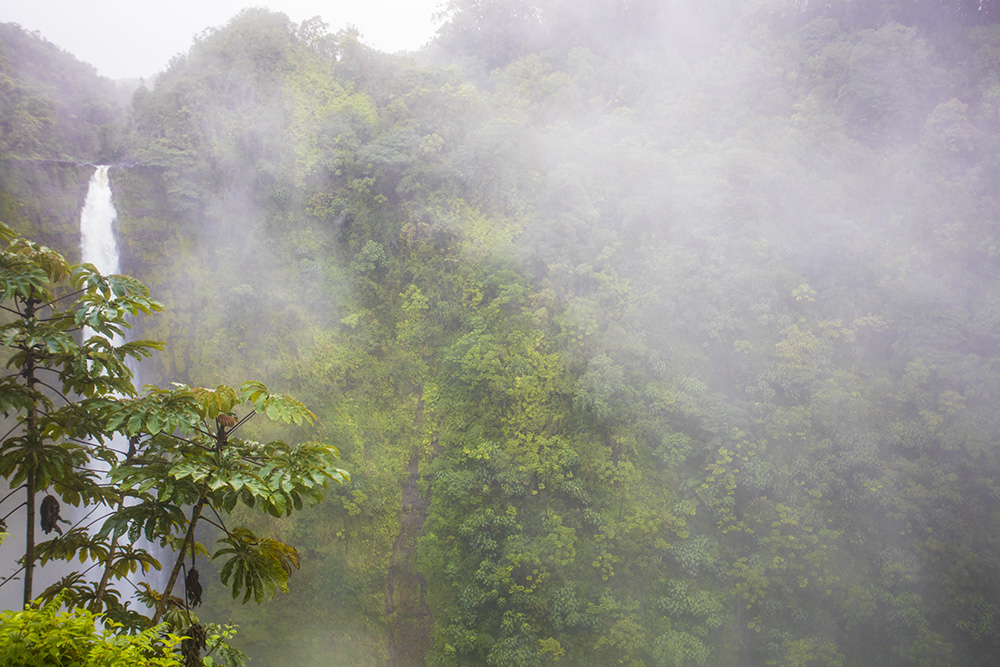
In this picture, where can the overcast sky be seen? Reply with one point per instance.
(137, 38)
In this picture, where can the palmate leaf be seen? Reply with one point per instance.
(159, 411)
(19, 278)
(74, 588)
(74, 591)
(116, 287)
(128, 559)
(302, 466)
(17, 392)
(51, 462)
(48, 339)
(150, 519)
(256, 566)
(154, 475)
(197, 469)
(75, 543)
(277, 407)
(295, 474)
(84, 487)
(6, 233)
(105, 301)
(29, 269)
(140, 349)
(213, 402)
(15, 397)
(177, 613)
(81, 421)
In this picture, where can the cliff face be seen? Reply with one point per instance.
(58, 119)
(43, 198)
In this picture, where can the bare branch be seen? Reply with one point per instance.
(250, 415)
(12, 492)
(221, 521)
(8, 515)
(11, 576)
(12, 429)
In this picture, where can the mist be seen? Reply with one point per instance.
(649, 333)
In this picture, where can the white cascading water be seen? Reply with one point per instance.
(98, 242)
(98, 245)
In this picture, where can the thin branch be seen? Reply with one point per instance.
(12, 576)
(217, 644)
(100, 518)
(130, 583)
(58, 392)
(205, 432)
(148, 462)
(212, 523)
(49, 304)
(23, 503)
(222, 528)
(95, 445)
(190, 442)
(92, 566)
(79, 522)
(55, 318)
(72, 487)
(12, 492)
(57, 371)
(250, 415)
(253, 460)
(12, 429)
(221, 520)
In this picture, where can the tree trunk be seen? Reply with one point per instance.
(29, 538)
(106, 577)
(32, 441)
(188, 543)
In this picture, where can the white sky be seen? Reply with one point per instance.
(137, 38)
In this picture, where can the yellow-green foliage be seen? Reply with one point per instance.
(48, 637)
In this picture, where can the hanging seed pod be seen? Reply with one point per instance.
(193, 587)
(193, 645)
(50, 515)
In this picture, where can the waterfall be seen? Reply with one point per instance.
(98, 241)
(98, 245)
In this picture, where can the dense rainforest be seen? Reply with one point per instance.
(650, 333)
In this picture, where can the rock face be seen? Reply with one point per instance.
(42, 200)
(409, 619)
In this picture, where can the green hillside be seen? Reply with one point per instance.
(649, 333)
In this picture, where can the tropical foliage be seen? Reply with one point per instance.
(651, 334)
(47, 637)
(70, 391)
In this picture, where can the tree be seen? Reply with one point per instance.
(61, 386)
(496, 32)
(186, 455)
(68, 396)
